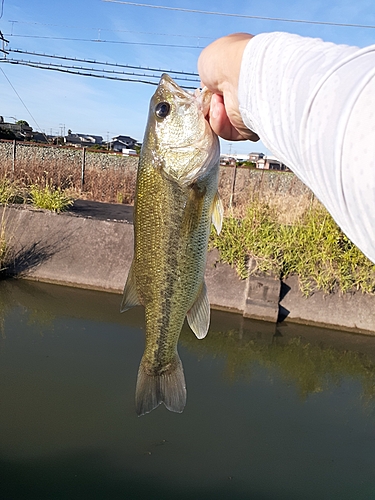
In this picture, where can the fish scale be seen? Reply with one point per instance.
(176, 198)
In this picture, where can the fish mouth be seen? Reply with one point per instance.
(167, 83)
(166, 78)
(201, 97)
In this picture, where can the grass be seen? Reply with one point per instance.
(10, 192)
(312, 247)
(49, 198)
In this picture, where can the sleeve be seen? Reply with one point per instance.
(312, 104)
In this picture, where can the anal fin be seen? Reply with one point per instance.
(199, 315)
(130, 296)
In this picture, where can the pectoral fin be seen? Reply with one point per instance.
(130, 296)
(199, 315)
(217, 213)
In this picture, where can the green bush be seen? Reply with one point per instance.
(49, 198)
(314, 248)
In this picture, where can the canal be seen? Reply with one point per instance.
(273, 412)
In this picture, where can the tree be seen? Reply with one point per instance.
(23, 122)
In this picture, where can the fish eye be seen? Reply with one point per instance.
(162, 109)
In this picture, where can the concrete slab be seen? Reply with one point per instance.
(225, 290)
(349, 311)
(92, 247)
(63, 248)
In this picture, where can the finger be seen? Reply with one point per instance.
(220, 121)
(223, 126)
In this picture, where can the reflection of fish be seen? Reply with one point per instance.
(176, 199)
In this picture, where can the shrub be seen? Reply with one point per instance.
(312, 247)
(49, 198)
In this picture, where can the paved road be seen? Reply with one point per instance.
(102, 211)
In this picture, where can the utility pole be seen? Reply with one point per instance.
(3, 44)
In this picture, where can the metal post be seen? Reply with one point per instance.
(14, 156)
(233, 185)
(83, 168)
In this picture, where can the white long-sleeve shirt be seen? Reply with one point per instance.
(312, 103)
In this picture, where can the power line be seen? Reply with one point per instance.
(112, 30)
(245, 16)
(88, 72)
(106, 71)
(19, 97)
(93, 61)
(170, 45)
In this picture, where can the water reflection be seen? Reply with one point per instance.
(298, 354)
(312, 358)
(273, 412)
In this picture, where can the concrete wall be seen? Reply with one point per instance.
(96, 254)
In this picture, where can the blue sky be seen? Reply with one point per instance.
(107, 108)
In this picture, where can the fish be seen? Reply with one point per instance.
(175, 202)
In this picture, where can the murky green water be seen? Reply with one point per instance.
(272, 413)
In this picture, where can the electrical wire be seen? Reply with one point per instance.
(82, 68)
(87, 72)
(19, 97)
(2, 9)
(93, 61)
(112, 30)
(169, 45)
(245, 16)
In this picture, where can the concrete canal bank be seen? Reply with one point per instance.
(92, 246)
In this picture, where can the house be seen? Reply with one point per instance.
(21, 130)
(271, 163)
(254, 157)
(241, 157)
(39, 137)
(227, 159)
(121, 142)
(83, 139)
(129, 152)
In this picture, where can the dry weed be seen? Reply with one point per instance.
(107, 185)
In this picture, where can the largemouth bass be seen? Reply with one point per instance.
(176, 199)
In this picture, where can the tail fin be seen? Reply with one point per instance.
(167, 387)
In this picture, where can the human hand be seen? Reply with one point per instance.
(219, 69)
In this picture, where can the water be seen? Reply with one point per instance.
(272, 413)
